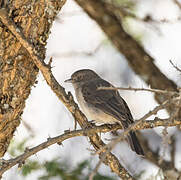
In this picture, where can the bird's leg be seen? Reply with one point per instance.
(109, 126)
(92, 122)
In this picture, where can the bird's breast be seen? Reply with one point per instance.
(93, 113)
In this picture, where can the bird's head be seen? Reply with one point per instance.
(82, 76)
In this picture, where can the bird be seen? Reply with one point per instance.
(103, 106)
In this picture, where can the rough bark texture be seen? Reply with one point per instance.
(17, 71)
(67, 99)
(140, 61)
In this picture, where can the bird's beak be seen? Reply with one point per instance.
(68, 81)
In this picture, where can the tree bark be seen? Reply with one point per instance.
(66, 99)
(17, 70)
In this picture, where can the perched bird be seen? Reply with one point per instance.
(103, 106)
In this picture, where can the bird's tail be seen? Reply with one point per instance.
(134, 143)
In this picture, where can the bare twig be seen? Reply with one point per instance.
(107, 148)
(7, 164)
(159, 91)
(137, 123)
(93, 173)
(178, 69)
(148, 124)
(173, 151)
(67, 100)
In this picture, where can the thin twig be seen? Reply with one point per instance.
(159, 91)
(178, 69)
(95, 129)
(7, 164)
(66, 99)
(93, 173)
(137, 123)
(113, 143)
(148, 124)
(173, 151)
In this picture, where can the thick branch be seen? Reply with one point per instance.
(7, 164)
(68, 101)
(17, 71)
(140, 61)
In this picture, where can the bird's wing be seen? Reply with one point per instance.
(109, 101)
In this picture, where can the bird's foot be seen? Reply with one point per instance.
(92, 123)
(110, 126)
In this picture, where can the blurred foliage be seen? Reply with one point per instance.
(29, 167)
(16, 148)
(61, 169)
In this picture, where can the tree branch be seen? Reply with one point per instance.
(159, 91)
(108, 148)
(137, 123)
(140, 61)
(67, 100)
(17, 71)
(7, 164)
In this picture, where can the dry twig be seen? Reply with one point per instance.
(178, 69)
(159, 91)
(67, 100)
(137, 123)
(140, 61)
(7, 164)
(107, 148)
